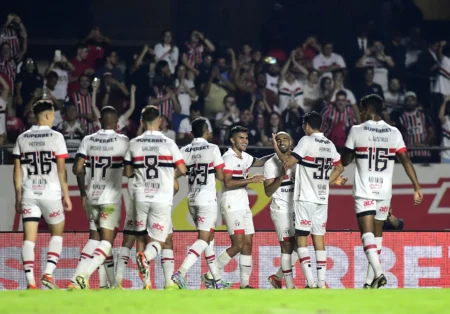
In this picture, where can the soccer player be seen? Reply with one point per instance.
(235, 205)
(102, 153)
(152, 158)
(316, 155)
(375, 145)
(279, 185)
(40, 178)
(204, 164)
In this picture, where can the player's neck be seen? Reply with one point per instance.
(42, 123)
(152, 129)
(314, 132)
(376, 118)
(237, 151)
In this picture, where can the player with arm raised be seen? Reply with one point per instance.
(375, 145)
(204, 164)
(152, 158)
(316, 156)
(279, 185)
(102, 153)
(235, 206)
(40, 179)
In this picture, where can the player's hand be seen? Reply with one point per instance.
(340, 181)
(258, 178)
(418, 197)
(133, 88)
(274, 139)
(67, 204)
(84, 202)
(19, 207)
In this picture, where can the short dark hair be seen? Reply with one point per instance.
(82, 46)
(199, 126)
(149, 114)
(341, 93)
(108, 110)
(195, 107)
(238, 129)
(41, 106)
(373, 101)
(52, 74)
(226, 97)
(313, 119)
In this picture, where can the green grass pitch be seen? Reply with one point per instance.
(347, 301)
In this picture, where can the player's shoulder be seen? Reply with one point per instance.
(271, 162)
(169, 141)
(123, 137)
(57, 134)
(247, 156)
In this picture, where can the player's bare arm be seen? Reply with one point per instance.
(347, 157)
(62, 175)
(271, 185)
(178, 173)
(233, 184)
(18, 185)
(176, 187)
(336, 172)
(259, 162)
(220, 174)
(181, 168)
(128, 171)
(411, 172)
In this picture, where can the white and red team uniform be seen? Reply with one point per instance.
(202, 159)
(316, 157)
(375, 144)
(282, 207)
(153, 157)
(104, 153)
(234, 204)
(38, 148)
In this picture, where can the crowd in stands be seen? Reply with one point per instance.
(265, 91)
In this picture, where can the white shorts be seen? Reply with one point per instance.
(310, 217)
(283, 220)
(378, 208)
(239, 222)
(131, 223)
(2, 123)
(156, 218)
(34, 209)
(105, 216)
(204, 216)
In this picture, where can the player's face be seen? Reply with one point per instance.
(283, 142)
(240, 141)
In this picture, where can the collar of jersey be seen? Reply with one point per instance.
(200, 139)
(110, 131)
(376, 122)
(40, 127)
(317, 134)
(152, 132)
(234, 153)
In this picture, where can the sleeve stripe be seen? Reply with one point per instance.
(179, 162)
(80, 155)
(338, 162)
(62, 156)
(296, 156)
(401, 150)
(220, 166)
(16, 156)
(228, 171)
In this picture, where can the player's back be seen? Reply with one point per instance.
(153, 157)
(105, 152)
(375, 144)
(38, 148)
(202, 159)
(318, 155)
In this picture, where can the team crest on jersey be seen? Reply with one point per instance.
(237, 223)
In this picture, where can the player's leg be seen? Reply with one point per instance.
(365, 213)
(123, 256)
(30, 218)
(303, 223)
(320, 216)
(168, 261)
(53, 214)
(108, 264)
(245, 260)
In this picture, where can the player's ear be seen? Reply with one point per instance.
(232, 140)
(159, 122)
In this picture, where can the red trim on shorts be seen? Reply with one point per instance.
(167, 259)
(179, 162)
(402, 150)
(193, 252)
(370, 246)
(239, 231)
(220, 166)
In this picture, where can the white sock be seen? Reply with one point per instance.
(195, 251)
(305, 263)
(109, 268)
(85, 257)
(321, 264)
(102, 276)
(210, 256)
(370, 274)
(28, 261)
(223, 261)
(168, 265)
(245, 267)
(286, 265)
(294, 258)
(279, 273)
(122, 260)
(152, 250)
(100, 254)
(371, 250)
(54, 251)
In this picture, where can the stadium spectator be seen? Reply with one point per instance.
(414, 44)
(8, 66)
(61, 66)
(395, 49)
(327, 90)
(54, 95)
(442, 85)
(82, 99)
(274, 125)
(369, 86)
(290, 89)
(272, 77)
(186, 93)
(184, 131)
(338, 79)
(310, 49)
(394, 97)
(311, 90)
(72, 130)
(4, 95)
(245, 120)
(166, 50)
(214, 91)
(15, 35)
(97, 44)
(417, 128)
(113, 93)
(392, 222)
(111, 67)
(245, 56)
(260, 107)
(26, 83)
(338, 119)
(262, 92)
(444, 117)
(193, 50)
(166, 129)
(227, 117)
(328, 61)
(80, 67)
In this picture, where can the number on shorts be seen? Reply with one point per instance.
(198, 173)
(103, 162)
(40, 162)
(324, 166)
(151, 163)
(378, 159)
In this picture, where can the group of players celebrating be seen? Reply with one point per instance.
(298, 181)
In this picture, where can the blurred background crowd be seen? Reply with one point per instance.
(265, 83)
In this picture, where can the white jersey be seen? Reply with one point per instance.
(375, 144)
(236, 199)
(38, 148)
(290, 93)
(103, 152)
(153, 157)
(202, 159)
(316, 157)
(284, 195)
